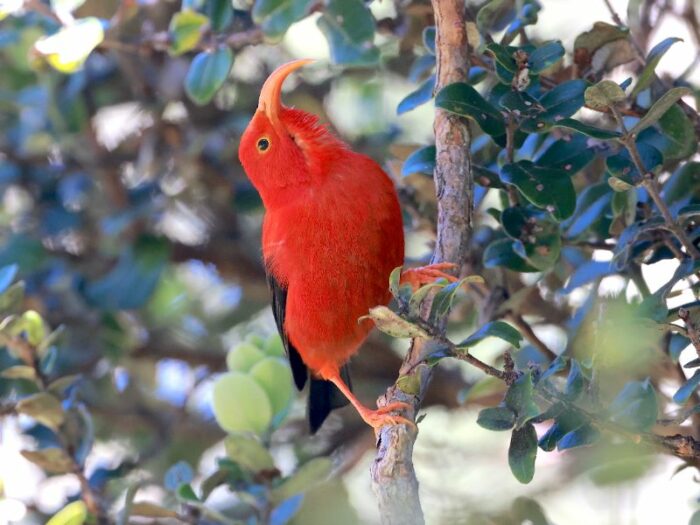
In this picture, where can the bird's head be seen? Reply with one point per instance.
(283, 150)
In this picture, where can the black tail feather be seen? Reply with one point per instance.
(324, 397)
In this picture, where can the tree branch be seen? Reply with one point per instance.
(393, 477)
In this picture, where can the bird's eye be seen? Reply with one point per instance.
(263, 144)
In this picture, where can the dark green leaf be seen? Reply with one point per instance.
(522, 453)
(582, 436)
(220, 12)
(421, 160)
(556, 366)
(208, 72)
(678, 129)
(547, 188)
(661, 106)
(538, 238)
(496, 418)
(499, 329)
(545, 56)
(429, 39)
(586, 129)
(443, 299)
(349, 27)
(570, 155)
(622, 166)
(495, 15)
(464, 100)
(500, 253)
(653, 59)
(275, 16)
(565, 423)
(503, 55)
(420, 96)
(186, 493)
(519, 398)
(486, 178)
(563, 101)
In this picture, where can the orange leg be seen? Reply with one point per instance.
(374, 418)
(423, 275)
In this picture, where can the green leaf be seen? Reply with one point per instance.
(52, 460)
(394, 325)
(442, 302)
(486, 178)
(582, 436)
(519, 398)
(575, 381)
(652, 60)
(661, 106)
(537, 238)
(685, 391)
(395, 281)
(528, 511)
(409, 384)
(522, 453)
(349, 28)
(636, 406)
(678, 129)
(208, 72)
(464, 100)
(496, 418)
(186, 493)
(248, 453)
(503, 55)
(546, 188)
(7, 275)
(220, 12)
(559, 103)
(570, 155)
(185, 31)
(418, 97)
(421, 160)
(304, 479)
(68, 49)
(74, 513)
(565, 423)
(695, 518)
(499, 329)
(429, 36)
(44, 408)
(241, 404)
(501, 253)
(546, 56)
(622, 166)
(604, 94)
(495, 15)
(275, 16)
(586, 129)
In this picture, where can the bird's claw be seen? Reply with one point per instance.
(417, 277)
(382, 416)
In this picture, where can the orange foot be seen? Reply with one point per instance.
(423, 275)
(381, 416)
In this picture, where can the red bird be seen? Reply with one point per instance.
(332, 234)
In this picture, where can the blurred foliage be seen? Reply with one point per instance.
(130, 263)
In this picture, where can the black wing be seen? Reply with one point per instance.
(324, 396)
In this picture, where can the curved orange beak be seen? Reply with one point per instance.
(270, 101)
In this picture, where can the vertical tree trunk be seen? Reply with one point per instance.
(393, 476)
